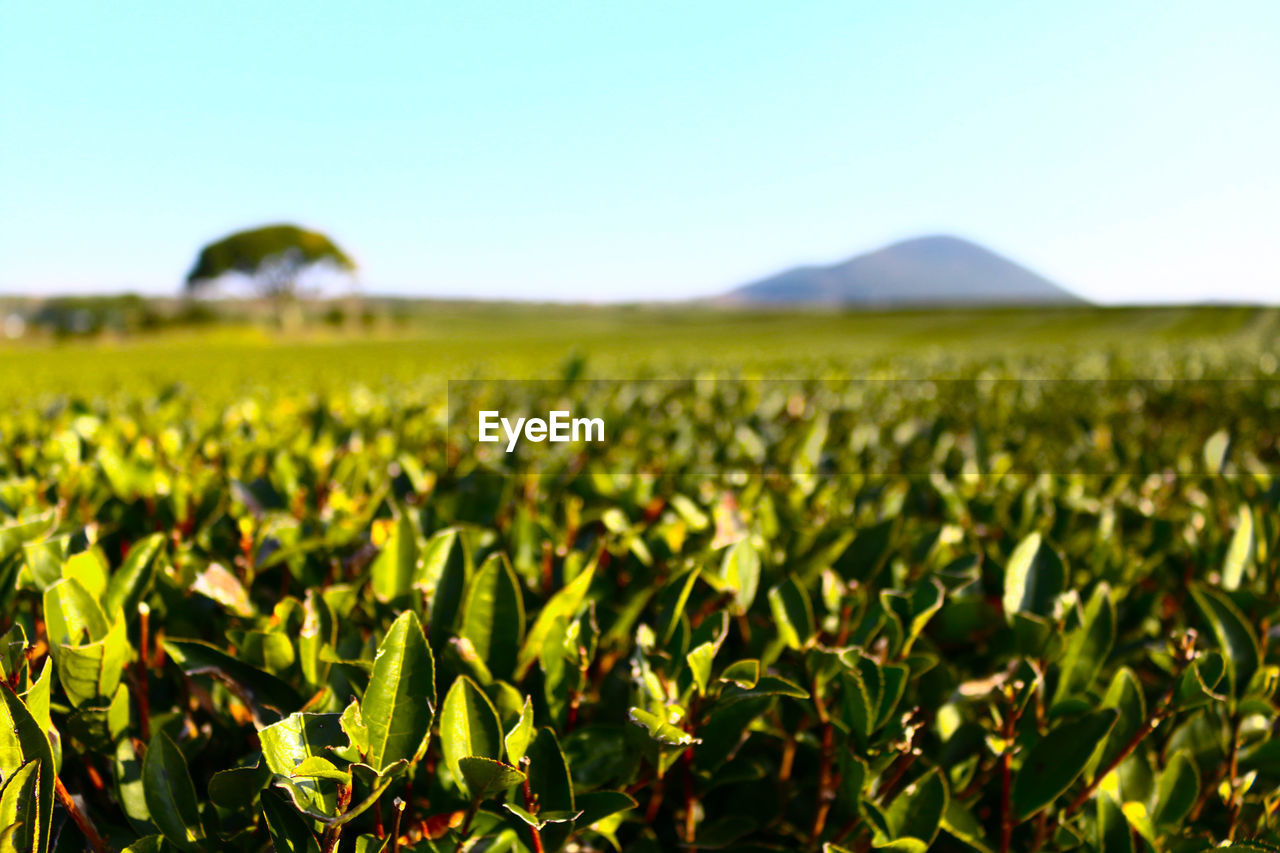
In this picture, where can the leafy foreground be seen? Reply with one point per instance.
(297, 622)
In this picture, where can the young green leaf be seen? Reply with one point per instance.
(925, 601)
(44, 559)
(1240, 554)
(1215, 451)
(661, 730)
(486, 777)
(1033, 578)
(1114, 833)
(740, 572)
(90, 673)
(671, 601)
(517, 740)
(563, 605)
(549, 781)
(699, 661)
(296, 738)
(1088, 645)
(1203, 682)
(1236, 639)
(469, 726)
(792, 612)
(19, 799)
(435, 557)
(14, 534)
(72, 615)
(917, 812)
(38, 699)
(13, 656)
(130, 790)
(393, 569)
(742, 673)
(399, 704)
(856, 713)
(235, 787)
(1124, 695)
(90, 569)
(445, 604)
(147, 844)
(493, 618)
(130, 583)
(22, 741)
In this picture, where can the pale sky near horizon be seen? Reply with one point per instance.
(632, 150)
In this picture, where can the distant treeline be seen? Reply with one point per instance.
(132, 314)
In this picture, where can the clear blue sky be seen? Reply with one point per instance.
(620, 150)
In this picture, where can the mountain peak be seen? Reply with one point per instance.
(935, 269)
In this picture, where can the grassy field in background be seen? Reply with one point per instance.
(759, 616)
(507, 340)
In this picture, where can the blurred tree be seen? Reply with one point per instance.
(271, 257)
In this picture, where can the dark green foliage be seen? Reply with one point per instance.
(263, 624)
(272, 255)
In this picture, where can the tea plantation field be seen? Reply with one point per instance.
(979, 580)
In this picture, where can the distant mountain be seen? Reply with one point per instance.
(936, 270)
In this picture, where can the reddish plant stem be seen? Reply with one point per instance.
(640, 784)
(575, 697)
(1042, 832)
(1233, 810)
(1006, 820)
(144, 665)
(890, 789)
(95, 778)
(846, 619)
(712, 605)
(81, 819)
(408, 795)
(1186, 656)
(788, 758)
(466, 823)
(1009, 732)
(1132, 744)
(395, 826)
(1157, 712)
(546, 567)
(826, 794)
(843, 832)
(690, 801)
(981, 776)
(333, 833)
(655, 800)
(284, 581)
(158, 656)
(531, 806)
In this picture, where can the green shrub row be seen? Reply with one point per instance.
(304, 623)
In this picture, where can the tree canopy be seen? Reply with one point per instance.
(273, 256)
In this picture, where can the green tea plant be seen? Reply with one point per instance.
(811, 620)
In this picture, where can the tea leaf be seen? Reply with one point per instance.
(170, 794)
(1057, 759)
(399, 704)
